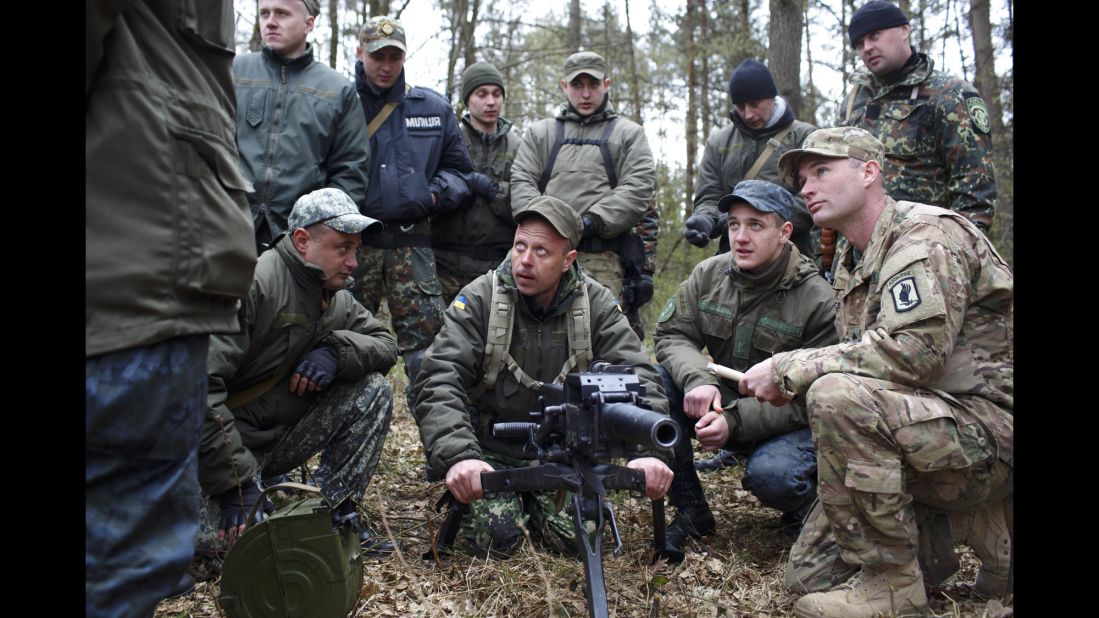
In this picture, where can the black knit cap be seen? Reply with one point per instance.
(479, 74)
(751, 81)
(874, 15)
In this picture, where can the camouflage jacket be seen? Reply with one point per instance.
(168, 247)
(741, 319)
(483, 230)
(730, 153)
(929, 305)
(579, 178)
(452, 429)
(935, 129)
(285, 316)
(299, 129)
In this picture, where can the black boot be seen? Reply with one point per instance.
(694, 522)
(721, 459)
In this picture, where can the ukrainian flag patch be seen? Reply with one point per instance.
(460, 302)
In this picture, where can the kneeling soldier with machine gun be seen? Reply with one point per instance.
(507, 337)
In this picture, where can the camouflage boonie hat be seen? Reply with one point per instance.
(762, 195)
(331, 207)
(836, 142)
(560, 215)
(585, 62)
(379, 32)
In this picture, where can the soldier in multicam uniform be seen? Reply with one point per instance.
(915, 406)
(418, 168)
(601, 166)
(307, 374)
(560, 321)
(763, 297)
(935, 127)
(472, 241)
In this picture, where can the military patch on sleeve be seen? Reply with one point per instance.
(459, 302)
(668, 311)
(978, 112)
(906, 295)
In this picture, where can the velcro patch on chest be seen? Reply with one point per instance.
(423, 122)
(716, 309)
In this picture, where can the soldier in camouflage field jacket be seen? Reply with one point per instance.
(915, 405)
(935, 127)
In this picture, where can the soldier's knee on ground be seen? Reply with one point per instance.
(499, 535)
(781, 473)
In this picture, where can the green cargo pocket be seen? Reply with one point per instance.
(878, 478)
(431, 287)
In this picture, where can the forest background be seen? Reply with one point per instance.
(670, 63)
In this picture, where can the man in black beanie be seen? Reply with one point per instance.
(472, 241)
(745, 150)
(935, 126)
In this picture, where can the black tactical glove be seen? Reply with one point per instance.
(697, 230)
(591, 227)
(318, 366)
(481, 185)
(722, 226)
(644, 290)
(237, 503)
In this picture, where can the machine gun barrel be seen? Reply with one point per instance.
(628, 423)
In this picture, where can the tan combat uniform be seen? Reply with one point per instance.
(916, 403)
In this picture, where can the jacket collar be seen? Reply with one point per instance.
(503, 125)
(307, 277)
(913, 73)
(566, 288)
(604, 113)
(781, 119)
(301, 61)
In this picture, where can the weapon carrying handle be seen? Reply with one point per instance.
(287, 485)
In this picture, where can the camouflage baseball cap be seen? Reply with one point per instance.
(379, 32)
(313, 7)
(585, 62)
(331, 207)
(560, 215)
(762, 195)
(836, 142)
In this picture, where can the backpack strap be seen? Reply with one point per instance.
(772, 145)
(558, 139)
(579, 331)
(602, 143)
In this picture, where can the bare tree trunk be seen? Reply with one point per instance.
(469, 29)
(606, 30)
(984, 57)
(256, 42)
(573, 35)
(334, 28)
(809, 107)
(784, 49)
(457, 17)
(692, 101)
(704, 83)
(635, 85)
(378, 8)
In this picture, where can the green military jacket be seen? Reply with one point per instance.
(483, 231)
(287, 313)
(579, 178)
(930, 305)
(730, 153)
(168, 240)
(935, 128)
(741, 319)
(452, 367)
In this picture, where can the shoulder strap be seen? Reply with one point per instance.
(558, 139)
(387, 109)
(579, 329)
(851, 102)
(772, 145)
(498, 340)
(608, 161)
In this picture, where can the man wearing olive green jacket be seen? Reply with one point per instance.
(765, 299)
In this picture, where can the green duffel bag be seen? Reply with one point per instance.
(293, 564)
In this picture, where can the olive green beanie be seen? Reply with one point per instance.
(479, 74)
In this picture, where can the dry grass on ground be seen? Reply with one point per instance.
(735, 573)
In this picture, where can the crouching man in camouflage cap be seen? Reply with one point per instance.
(307, 374)
(762, 297)
(543, 318)
(913, 409)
